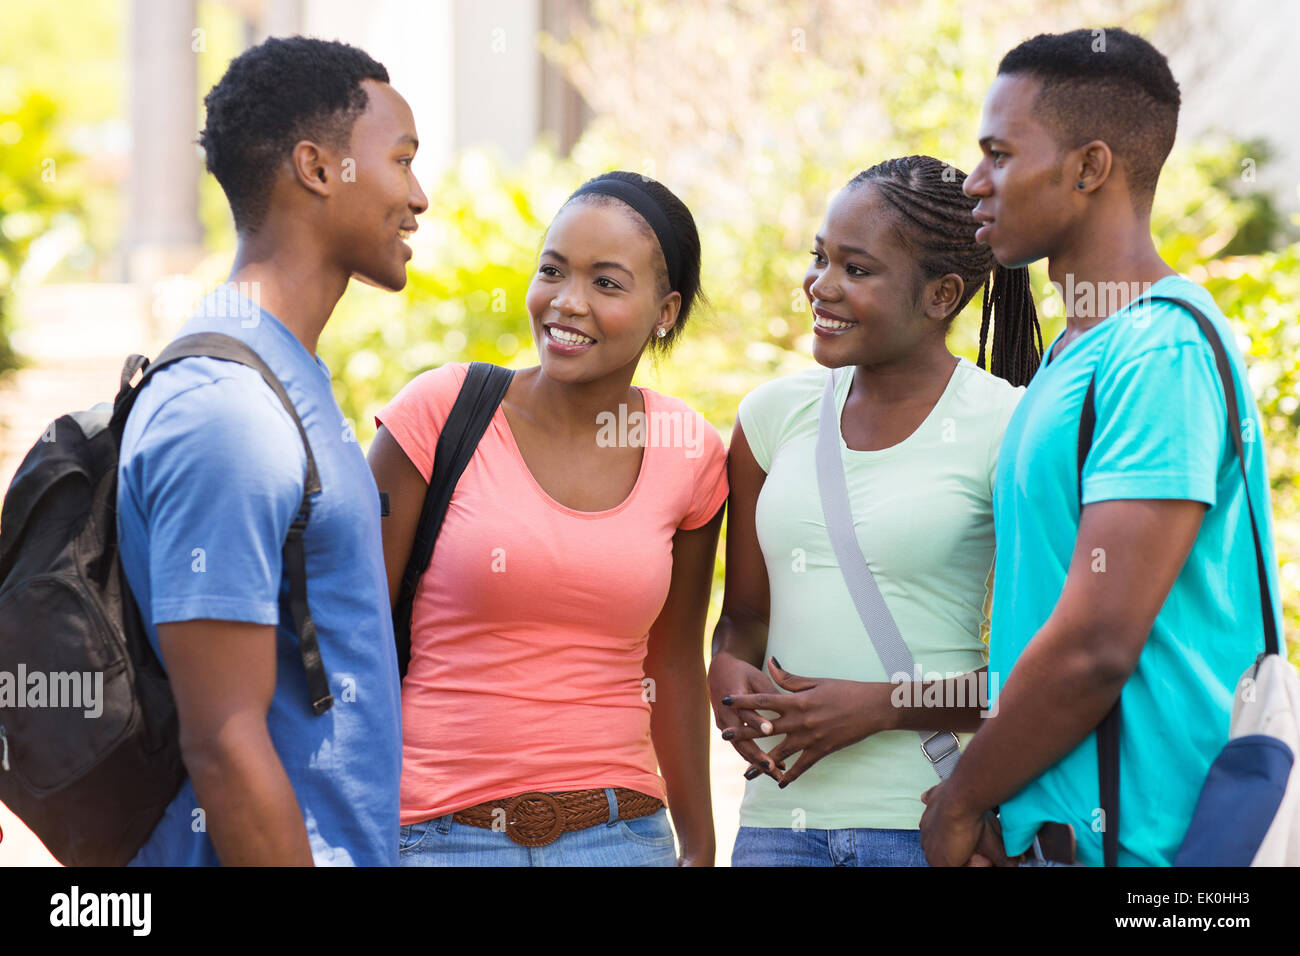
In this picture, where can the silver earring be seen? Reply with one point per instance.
(661, 332)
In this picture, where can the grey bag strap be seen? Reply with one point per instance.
(939, 747)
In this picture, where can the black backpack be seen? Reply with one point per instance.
(93, 787)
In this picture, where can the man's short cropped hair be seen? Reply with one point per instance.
(1105, 84)
(272, 96)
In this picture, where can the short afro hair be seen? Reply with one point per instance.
(1105, 84)
(272, 96)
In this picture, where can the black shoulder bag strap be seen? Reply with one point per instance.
(227, 348)
(477, 402)
(1108, 730)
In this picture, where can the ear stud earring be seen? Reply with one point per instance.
(661, 332)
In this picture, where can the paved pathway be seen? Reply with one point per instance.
(75, 338)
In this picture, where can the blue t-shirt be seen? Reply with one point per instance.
(210, 477)
(1160, 434)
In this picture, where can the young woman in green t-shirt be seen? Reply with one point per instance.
(894, 264)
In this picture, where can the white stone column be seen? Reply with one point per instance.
(496, 83)
(163, 234)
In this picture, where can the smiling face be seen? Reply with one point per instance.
(864, 287)
(1023, 183)
(378, 196)
(596, 299)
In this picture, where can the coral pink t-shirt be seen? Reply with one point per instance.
(529, 630)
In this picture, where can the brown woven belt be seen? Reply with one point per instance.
(536, 819)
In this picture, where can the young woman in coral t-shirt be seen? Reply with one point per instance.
(556, 641)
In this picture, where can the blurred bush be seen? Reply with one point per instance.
(33, 192)
(1259, 293)
(61, 81)
(755, 115)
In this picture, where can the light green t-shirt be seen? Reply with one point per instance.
(923, 511)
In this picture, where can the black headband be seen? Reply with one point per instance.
(649, 210)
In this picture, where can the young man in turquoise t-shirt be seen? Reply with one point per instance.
(1149, 588)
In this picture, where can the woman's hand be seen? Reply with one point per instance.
(731, 678)
(819, 716)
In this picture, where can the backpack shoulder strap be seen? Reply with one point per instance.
(477, 402)
(218, 346)
(1109, 728)
(879, 624)
(230, 349)
(1227, 379)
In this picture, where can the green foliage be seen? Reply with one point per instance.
(1259, 293)
(34, 188)
(755, 114)
(58, 75)
(69, 50)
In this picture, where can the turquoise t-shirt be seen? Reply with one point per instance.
(923, 513)
(1160, 434)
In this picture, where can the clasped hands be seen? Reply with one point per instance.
(820, 716)
(817, 716)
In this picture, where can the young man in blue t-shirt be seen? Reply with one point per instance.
(1151, 587)
(312, 148)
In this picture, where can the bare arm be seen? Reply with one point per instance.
(223, 677)
(397, 477)
(742, 627)
(679, 721)
(740, 638)
(1073, 670)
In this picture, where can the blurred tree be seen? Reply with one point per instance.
(34, 189)
(1259, 293)
(755, 114)
(61, 81)
(72, 52)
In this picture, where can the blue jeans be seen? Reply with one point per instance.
(785, 846)
(641, 841)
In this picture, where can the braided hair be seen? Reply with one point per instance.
(934, 223)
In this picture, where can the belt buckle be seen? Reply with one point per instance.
(956, 746)
(513, 822)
